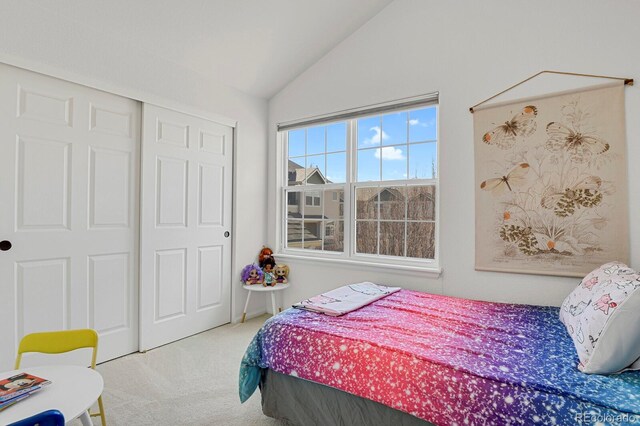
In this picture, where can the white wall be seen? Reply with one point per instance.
(57, 45)
(467, 50)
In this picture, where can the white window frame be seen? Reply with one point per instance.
(349, 255)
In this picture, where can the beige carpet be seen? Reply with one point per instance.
(190, 382)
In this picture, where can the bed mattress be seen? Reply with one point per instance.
(447, 361)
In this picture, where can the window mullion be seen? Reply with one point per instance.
(349, 201)
(323, 202)
(378, 196)
(284, 223)
(408, 172)
(406, 188)
(303, 205)
(406, 220)
(380, 153)
(282, 207)
(322, 217)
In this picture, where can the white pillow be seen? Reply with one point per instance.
(602, 316)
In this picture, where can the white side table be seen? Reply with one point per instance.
(261, 288)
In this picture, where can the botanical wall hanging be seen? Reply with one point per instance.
(551, 183)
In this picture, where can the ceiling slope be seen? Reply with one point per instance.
(255, 46)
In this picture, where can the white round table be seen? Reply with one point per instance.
(73, 390)
(261, 288)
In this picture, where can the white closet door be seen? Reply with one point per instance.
(185, 223)
(69, 207)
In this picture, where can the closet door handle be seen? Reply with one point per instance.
(226, 234)
(5, 245)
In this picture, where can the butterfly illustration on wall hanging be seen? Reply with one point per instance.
(522, 124)
(585, 193)
(522, 236)
(580, 146)
(513, 179)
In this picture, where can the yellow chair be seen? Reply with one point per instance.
(57, 342)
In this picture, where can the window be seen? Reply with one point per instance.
(369, 185)
(312, 200)
(293, 198)
(329, 230)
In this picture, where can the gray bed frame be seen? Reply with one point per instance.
(301, 402)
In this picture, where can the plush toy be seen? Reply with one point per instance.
(281, 271)
(268, 266)
(252, 274)
(266, 254)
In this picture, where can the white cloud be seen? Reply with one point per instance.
(390, 153)
(387, 152)
(417, 122)
(375, 138)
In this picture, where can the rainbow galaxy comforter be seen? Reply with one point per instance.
(446, 360)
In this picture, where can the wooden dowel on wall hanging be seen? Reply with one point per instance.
(627, 81)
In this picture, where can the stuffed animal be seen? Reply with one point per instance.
(252, 274)
(268, 266)
(265, 255)
(281, 271)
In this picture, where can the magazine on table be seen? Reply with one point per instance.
(8, 403)
(22, 383)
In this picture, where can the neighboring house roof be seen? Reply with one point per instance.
(392, 194)
(389, 194)
(293, 165)
(299, 175)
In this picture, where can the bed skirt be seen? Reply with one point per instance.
(301, 402)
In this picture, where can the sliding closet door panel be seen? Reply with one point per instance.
(186, 210)
(69, 170)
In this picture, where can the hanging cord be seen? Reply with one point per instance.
(627, 81)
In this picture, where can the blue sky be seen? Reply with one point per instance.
(391, 146)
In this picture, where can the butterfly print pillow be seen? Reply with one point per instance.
(601, 316)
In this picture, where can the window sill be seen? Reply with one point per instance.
(428, 271)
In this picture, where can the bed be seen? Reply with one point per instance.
(431, 358)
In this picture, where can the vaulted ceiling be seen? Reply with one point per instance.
(256, 46)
